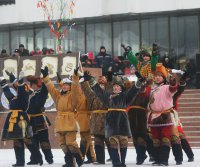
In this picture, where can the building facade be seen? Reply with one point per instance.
(174, 25)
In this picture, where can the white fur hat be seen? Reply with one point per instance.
(67, 81)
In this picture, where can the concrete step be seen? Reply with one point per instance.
(188, 99)
(188, 109)
(192, 133)
(189, 119)
(186, 114)
(193, 139)
(189, 123)
(194, 95)
(195, 144)
(191, 91)
(191, 128)
(190, 104)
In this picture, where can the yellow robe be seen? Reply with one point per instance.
(65, 105)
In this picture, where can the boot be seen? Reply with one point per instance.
(164, 155)
(156, 156)
(178, 154)
(19, 153)
(100, 154)
(141, 156)
(123, 152)
(108, 148)
(115, 157)
(79, 159)
(187, 149)
(48, 155)
(35, 154)
(150, 149)
(83, 150)
(89, 157)
(68, 160)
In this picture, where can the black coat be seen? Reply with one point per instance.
(36, 106)
(19, 102)
(138, 116)
(117, 122)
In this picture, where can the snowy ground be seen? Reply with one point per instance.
(7, 158)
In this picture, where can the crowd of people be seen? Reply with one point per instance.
(22, 51)
(112, 109)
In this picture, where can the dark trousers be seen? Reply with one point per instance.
(42, 139)
(137, 119)
(99, 146)
(19, 150)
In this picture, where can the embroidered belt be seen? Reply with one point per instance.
(117, 109)
(64, 113)
(136, 107)
(165, 111)
(82, 112)
(100, 111)
(35, 115)
(46, 120)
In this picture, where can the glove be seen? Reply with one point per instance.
(58, 77)
(76, 71)
(21, 77)
(128, 48)
(172, 80)
(87, 76)
(140, 78)
(11, 76)
(185, 77)
(122, 45)
(125, 48)
(45, 71)
(2, 81)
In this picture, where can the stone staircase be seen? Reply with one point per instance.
(189, 113)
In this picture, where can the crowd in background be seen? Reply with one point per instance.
(118, 65)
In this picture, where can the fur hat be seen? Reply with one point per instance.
(34, 80)
(160, 69)
(66, 81)
(145, 53)
(119, 81)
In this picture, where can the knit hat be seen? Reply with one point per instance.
(21, 45)
(102, 47)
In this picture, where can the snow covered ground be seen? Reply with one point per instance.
(7, 158)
